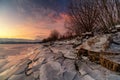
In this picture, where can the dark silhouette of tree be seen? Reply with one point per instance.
(93, 16)
(109, 14)
(54, 35)
(83, 15)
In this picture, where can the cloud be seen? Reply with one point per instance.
(33, 18)
(43, 20)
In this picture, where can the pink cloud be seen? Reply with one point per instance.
(41, 21)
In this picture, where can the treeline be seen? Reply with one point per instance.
(55, 35)
(89, 17)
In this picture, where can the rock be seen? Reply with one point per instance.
(77, 77)
(97, 75)
(113, 77)
(82, 72)
(59, 57)
(51, 71)
(36, 74)
(69, 75)
(87, 77)
(117, 27)
(85, 69)
(69, 65)
(17, 77)
(70, 70)
(31, 77)
(70, 54)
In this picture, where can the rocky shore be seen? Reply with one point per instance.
(54, 61)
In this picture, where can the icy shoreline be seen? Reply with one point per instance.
(53, 61)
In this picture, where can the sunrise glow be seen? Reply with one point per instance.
(29, 22)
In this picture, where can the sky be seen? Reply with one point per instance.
(32, 19)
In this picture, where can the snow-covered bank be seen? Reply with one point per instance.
(53, 61)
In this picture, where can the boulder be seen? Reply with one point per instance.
(51, 71)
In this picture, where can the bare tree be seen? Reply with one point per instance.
(83, 15)
(54, 35)
(109, 14)
(93, 15)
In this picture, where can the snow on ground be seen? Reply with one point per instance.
(97, 43)
(54, 61)
(108, 43)
(113, 46)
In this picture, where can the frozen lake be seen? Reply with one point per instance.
(14, 49)
(14, 58)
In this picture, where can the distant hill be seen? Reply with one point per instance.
(13, 40)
